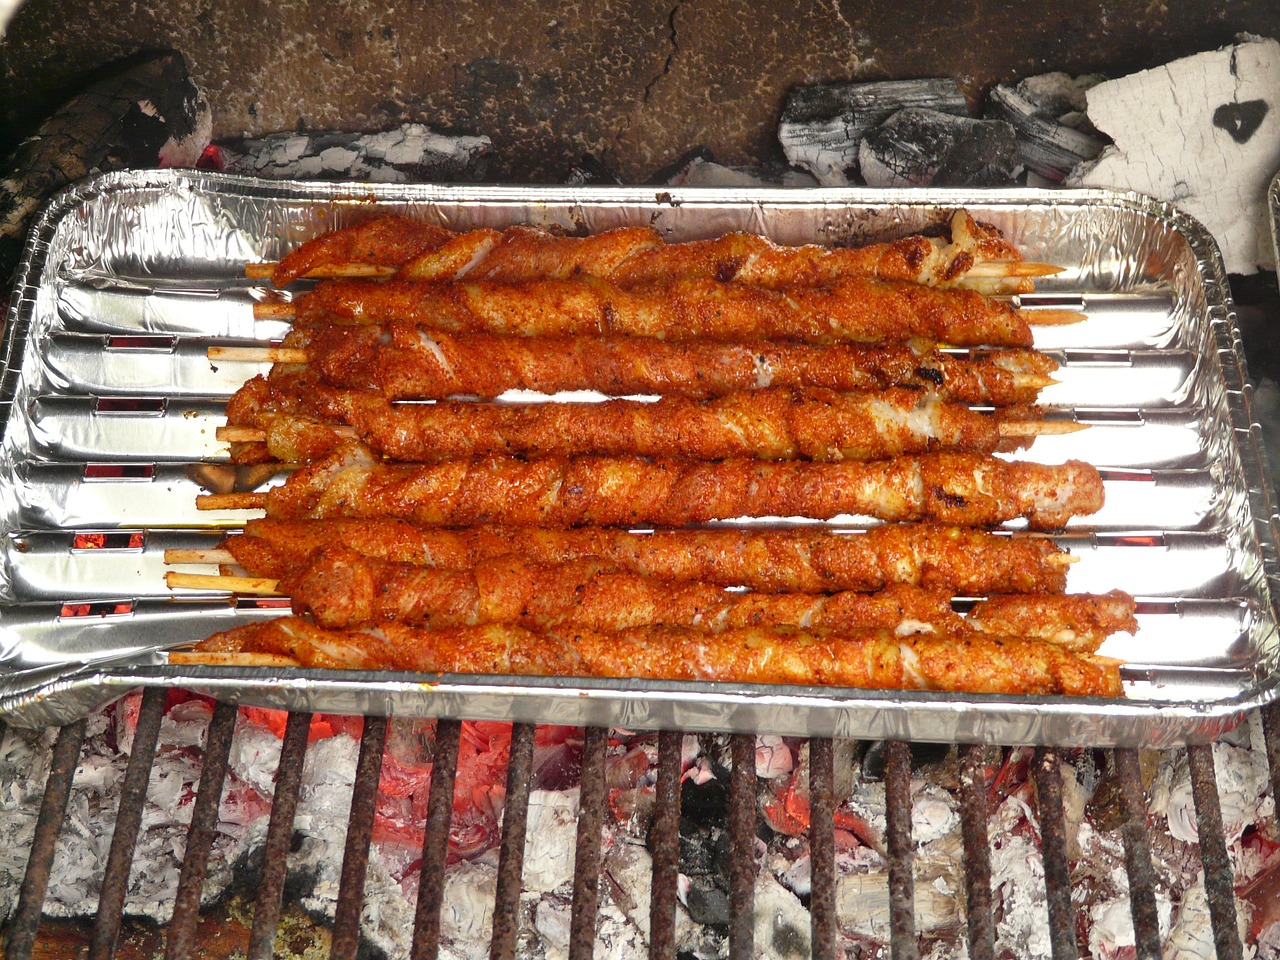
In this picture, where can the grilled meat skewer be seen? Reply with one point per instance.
(339, 588)
(854, 310)
(959, 488)
(295, 418)
(405, 362)
(955, 560)
(870, 659)
(419, 251)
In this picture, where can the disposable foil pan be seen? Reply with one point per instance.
(112, 405)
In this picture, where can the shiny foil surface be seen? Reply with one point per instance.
(112, 404)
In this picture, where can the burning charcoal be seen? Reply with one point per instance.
(697, 848)
(707, 903)
(822, 126)
(1202, 132)
(918, 147)
(410, 152)
(707, 803)
(1044, 112)
(149, 114)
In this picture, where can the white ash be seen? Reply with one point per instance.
(1242, 777)
(1203, 133)
(411, 152)
(934, 813)
(782, 926)
(466, 920)
(551, 839)
(76, 877)
(1017, 878)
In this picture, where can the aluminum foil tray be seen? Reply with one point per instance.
(112, 405)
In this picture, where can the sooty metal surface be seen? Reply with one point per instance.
(1057, 866)
(180, 941)
(1137, 856)
(897, 799)
(977, 855)
(266, 913)
(742, 840)
(515, 818)
(822, 848)
(355, 856)
(1213, 853)
(133, 795)
(435, 841)
(663, 840)
(587, 854)
(35, 883)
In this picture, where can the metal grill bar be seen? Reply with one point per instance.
(587, 853)
(1213, 854)
(1137, 856)
(979, 914)
(53, 807)
(435, 841)
(822, 848)
(133, 795)
(180, 939)
(275, 854)
(355, 854)
(742, 838)
(1271, 734)
(1053, 845)
(515, 819)
(902, 886)
(664, 840)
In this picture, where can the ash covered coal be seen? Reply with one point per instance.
(822, 125)
(921, 147)
(783, 885)
(409, 153)
(1047, 113)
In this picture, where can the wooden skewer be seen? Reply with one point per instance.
(227, 658)
(259, 586)
(984, 270)
(287, 310)
(999, 269)
(1052, 318)
(265, 269)
(274, 310)
(176, 555)
(1062, 559)
(260, 354)
(231, 501)
(1040, 428)
(1013, 428)
(254, 435)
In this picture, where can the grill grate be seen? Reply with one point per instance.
(182, 941)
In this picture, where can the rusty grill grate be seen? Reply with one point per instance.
(181, 937)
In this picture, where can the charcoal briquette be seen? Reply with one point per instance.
(918, 147)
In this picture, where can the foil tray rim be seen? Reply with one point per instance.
(66, 694)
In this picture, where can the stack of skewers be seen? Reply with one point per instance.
(433, 521)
